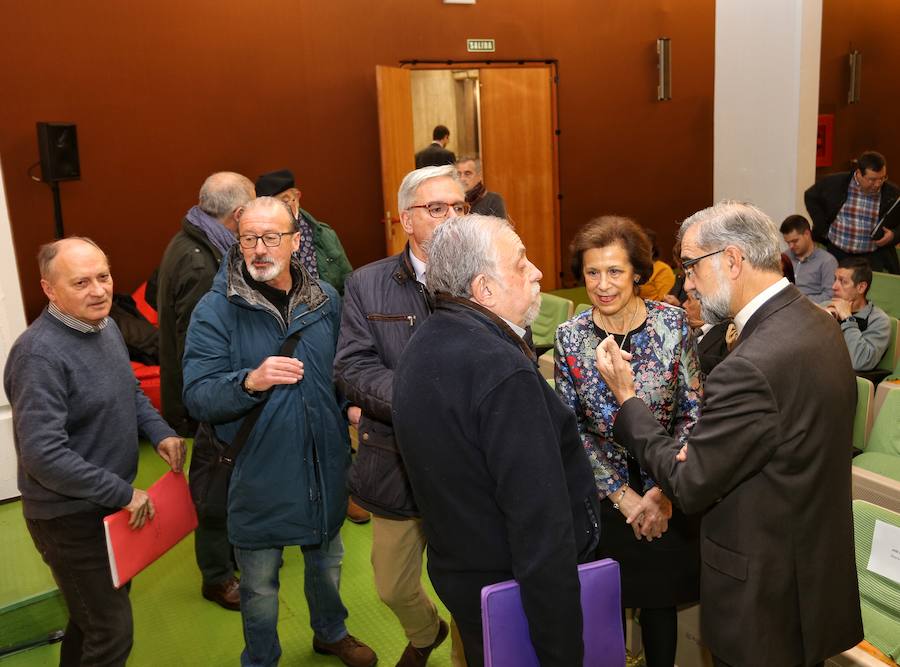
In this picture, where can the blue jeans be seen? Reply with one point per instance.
(259, 598)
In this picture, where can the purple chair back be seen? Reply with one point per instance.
(507, 642)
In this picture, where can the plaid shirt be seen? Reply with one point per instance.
(855, 221)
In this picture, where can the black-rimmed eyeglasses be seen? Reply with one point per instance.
(440, 209)
(272, 239)
(687, 264)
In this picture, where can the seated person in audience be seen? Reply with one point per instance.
(813, 266)
(482, 201)
(663, 278)
(866, 328)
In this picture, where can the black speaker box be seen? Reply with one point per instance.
(58, 146)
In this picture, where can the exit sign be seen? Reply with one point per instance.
(480, 45)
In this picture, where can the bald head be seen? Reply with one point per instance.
(223, 194)
(76, 279)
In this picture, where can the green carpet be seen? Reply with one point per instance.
(175, 626)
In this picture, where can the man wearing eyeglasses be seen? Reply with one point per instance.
(768, 462)
(855, 213)
(288, 486)
(385, 304)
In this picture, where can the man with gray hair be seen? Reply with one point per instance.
(768, 461)
(186, 273)
(493, 456)
(385, 304)
(482, 201)
(263, 338)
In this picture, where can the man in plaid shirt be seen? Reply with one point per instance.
(847, 206)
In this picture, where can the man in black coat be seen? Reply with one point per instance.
(846, 208)
(436, 153)
(768, 461)
(494, 457)
(482, 201)
(186, 273)
(385, 304)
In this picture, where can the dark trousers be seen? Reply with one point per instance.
(100, 628)
(718, 662)
(214, 553)
(883, 259)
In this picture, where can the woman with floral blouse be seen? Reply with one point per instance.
(657, 550)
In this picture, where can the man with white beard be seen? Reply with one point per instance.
(493, 456)
(265, 335)
(768, 462)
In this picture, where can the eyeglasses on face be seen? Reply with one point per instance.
(440, 209)
(271, 239)
(687, 264)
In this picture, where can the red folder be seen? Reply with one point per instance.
(130, 551)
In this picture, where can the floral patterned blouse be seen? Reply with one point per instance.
(666, 378)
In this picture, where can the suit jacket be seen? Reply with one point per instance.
(434, 155)
(769, 461)
(712, 348)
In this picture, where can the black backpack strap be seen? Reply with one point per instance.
(230, 454)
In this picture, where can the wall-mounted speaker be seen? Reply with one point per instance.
(58, 146)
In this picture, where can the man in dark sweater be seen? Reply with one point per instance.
(494, 458)
(185, 274)
(77, 412)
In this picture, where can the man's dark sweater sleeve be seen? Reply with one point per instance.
(40, 412)
(522, 453)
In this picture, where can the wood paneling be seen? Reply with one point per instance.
(395, 123)
(518, 155)
(165, 93)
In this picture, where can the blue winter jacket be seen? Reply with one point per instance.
(289, 481)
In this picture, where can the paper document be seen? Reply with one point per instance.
(885, 556)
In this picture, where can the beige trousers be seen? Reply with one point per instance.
(397, 550)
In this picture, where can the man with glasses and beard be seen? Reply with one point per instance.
(767, 461)
(493, 456)
(289, 481)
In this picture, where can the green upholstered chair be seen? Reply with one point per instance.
(884, 292)
(862, 421)
(879, 596)
(554, 311)
(882, 451)
(581, 307)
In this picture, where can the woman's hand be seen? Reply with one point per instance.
(650, 518)
(628, 504)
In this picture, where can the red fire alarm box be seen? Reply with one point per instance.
(825, 140)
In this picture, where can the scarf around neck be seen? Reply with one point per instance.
(220, 237)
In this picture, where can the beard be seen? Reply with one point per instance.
(266, 273)
(535, 307)
(716, 307)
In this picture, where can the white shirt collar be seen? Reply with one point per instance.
(756, 303)
(418, 266)
(515, 327)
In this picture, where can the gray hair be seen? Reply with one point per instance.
(470, 158)
(269, 205)
(742, 225)
(48, 252)
(406, 195)
(461, 248)
(223, 192)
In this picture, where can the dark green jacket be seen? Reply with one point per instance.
(331, 260)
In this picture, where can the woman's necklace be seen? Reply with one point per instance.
(607, 330)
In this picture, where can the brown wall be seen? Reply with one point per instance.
(165, 93)
(871, 123)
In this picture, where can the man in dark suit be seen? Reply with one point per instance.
(436, 154)
(768, 461)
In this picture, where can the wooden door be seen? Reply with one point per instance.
(395, 130)
(519, 154)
